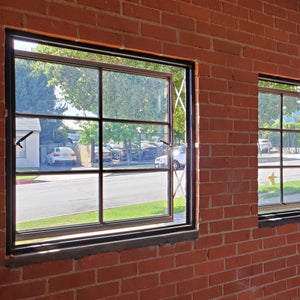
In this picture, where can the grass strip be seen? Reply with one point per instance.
(269, 191)
(149, 209)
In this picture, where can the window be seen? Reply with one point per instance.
(278, 149)
(109, 141)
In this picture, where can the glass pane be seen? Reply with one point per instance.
(268, 110)
(268, 186)
(55, 144)
(135, 97)
(57, 200)
(268, 148)
(135, 195)
(134, 145)
(291, 185)
(291, 113)
(55, 89)
(179, 192)
(291, 148)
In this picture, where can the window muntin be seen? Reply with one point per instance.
(147, 132)
(278, 146)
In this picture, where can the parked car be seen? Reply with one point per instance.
(115, 151)
(179, 158)
(106, 154)
(61, 155)
(264, 146)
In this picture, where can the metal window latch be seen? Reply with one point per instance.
(18, 143)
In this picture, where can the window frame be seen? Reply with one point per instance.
(278, 217)
(103, 243)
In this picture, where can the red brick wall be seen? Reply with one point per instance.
(232, 41)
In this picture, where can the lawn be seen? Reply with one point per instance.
(142, 210)
(26, 177)
(269, 191)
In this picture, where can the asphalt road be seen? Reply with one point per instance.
(68, 194)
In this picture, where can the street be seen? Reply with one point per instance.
(57, 195)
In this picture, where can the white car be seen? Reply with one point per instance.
(61, 155)
(179, 159)
(264, 146)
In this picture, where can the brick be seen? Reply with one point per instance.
(250, 271)
(158, 32)
(93, 292)
(57, 28)
(274, 242)
(273, 10)
(30, 5)
(235, 10)
(237, 236)
(111, 5)
(177, 51)
(191, 258)
(204, 242)
(153, 265)
(139, 283)
(220, 226)
(274, 288)
(262, 280)
(47, 269)
(194, 11)
(194, 40)
(26, 290)
(9, 276)
(140, 12)
(261, 18)
(138, 254)
(249, 246)
(244, 223)
(166, 5)
(254, 5)
(210, 29)
(227, 47)
(221, 252)
(224, 20)
(193, 284)
(251, 27)
(177, 21)
(99, 260)
(212, 4)
(117, 272)
(211, 214)
(75, 14)
(69, 281)
(181, 247)
(177, 274)
(222, 277)
(286, 273)
(210, 293)
(70, 295)
(160, 292)
(209, 267)
(236, 286)
(117, 23)
(90, 34)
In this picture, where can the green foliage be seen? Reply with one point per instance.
(33, 95)
(269, 191)
(125, 96)
(134, 211)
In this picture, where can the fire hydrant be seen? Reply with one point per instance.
(272, 177)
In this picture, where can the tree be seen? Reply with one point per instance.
(124, 96)
(33, 95)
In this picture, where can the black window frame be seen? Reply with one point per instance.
(103, 243)
(277, 216)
